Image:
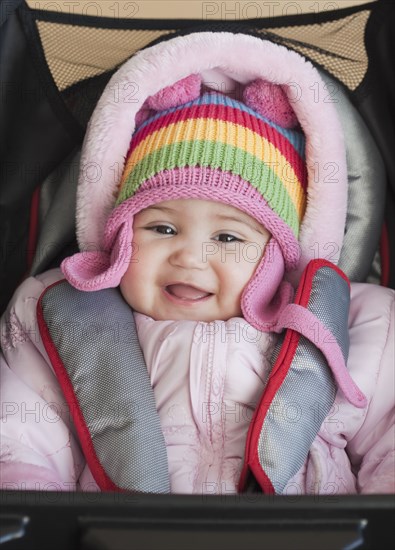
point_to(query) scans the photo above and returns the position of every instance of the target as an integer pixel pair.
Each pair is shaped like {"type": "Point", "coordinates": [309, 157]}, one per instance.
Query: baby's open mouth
{"type": "Point", "coordinates": [186, 292]}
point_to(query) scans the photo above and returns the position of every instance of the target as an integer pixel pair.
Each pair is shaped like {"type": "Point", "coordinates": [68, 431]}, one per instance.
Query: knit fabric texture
{"type": "Point", "coordinates": [226, 136]}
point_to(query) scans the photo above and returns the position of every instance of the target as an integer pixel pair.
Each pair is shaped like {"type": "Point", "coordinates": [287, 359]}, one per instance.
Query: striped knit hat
{"type": "Point", "coordinates": [218, 148]}
{"type": "Point", "coordinates": [248, 154]}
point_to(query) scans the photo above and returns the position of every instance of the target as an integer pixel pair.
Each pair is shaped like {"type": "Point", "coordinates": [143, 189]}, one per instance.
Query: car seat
{"type": "Point", "coordinates": [52, 73]}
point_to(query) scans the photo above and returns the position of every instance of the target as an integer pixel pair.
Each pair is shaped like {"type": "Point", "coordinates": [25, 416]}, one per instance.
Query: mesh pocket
{"type": "Point", "coordinates": [77, 51]}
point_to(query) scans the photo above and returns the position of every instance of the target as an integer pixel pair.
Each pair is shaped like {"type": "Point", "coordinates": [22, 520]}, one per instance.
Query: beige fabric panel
{"type": "Point", "coordinates": [75, 53]}
{"type": "Point", "coordinates": [192, 9]}
{"type": "Point", "coordinates": [344, 56]}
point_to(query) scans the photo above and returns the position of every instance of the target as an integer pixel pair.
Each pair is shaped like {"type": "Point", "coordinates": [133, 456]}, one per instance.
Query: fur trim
{"type": "Point", "coordinates": [241, 58]}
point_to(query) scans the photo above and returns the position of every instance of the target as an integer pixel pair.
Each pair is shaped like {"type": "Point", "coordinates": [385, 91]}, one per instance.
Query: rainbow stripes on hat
{"type": "Point", "coordinates": [223, 134]}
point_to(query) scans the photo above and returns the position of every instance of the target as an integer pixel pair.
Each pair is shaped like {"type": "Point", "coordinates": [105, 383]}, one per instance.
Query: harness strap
{"type": "Point", "coordinates": [301, 389]}
{"type": "Point", "coordinates": [316, 332]}
{"type": "Point", "coordinates": [92, 342]}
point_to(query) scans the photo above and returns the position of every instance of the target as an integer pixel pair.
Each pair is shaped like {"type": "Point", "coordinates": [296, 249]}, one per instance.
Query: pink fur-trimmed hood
{"type": "Point", "coordinates": [222, 59]}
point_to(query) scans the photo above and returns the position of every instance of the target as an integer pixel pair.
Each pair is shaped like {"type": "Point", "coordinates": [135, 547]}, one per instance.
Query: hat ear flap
{"type": "Point", "coordinates": [98, 269]}
{"type": "Point", "coordinates": [267, 294]}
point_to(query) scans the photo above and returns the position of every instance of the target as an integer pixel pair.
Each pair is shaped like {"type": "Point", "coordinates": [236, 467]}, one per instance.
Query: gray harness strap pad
{"type": "Point", "coordinates": [302, 385]}
{"type": "Point", "coordinates": [91, 340]}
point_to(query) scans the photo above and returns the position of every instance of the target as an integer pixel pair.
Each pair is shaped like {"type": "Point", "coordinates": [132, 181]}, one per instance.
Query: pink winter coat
{"type": "Point", "coordinates": [206, 384]}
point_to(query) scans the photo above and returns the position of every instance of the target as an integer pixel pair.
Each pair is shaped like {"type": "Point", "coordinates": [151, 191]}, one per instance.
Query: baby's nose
{"type": "Point", "coordinates": [188, 256]}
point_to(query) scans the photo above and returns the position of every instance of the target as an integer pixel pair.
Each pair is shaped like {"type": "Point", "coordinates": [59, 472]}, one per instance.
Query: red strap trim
{"type": "Point", "coordinates": [385, 256]}
{"type": "Point", "coordinates": [33, 227]}
{"type": "Point", "coordinates": [277, 376]}
{"type": "Point", "coordinates": [304, 289]}
{"type": "Point", "coordinates": [98, 472]}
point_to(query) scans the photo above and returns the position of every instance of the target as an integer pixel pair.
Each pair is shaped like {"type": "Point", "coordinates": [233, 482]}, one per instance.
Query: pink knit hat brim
{"type": "Point", "coordinates": [265, 294]}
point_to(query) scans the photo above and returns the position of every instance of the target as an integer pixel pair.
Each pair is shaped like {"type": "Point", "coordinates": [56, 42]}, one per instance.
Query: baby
{"type": "Point", "coordinates": [193, 259]}
{"type": "Point", "coordinates": [205, 240]}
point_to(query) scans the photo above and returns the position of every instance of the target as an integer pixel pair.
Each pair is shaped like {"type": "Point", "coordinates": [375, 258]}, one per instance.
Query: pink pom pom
{"type": "Point", "coordinates": [142, 115]}
{"type": "Point", "coordinates": [179, 93]}
{"type": "Point", "coordinates": [270, 101]}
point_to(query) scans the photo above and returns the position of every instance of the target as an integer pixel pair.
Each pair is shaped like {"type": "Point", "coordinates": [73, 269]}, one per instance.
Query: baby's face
{"type": "Point", "coordinates": [191, 260]}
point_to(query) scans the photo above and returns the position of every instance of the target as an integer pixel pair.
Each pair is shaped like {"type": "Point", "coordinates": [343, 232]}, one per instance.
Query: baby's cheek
{"type": "Point", "coordinates": [137, 290]}
{"type": "Point", "coordinates": [252, 253]}
{"type": "Point", "coordinates": [125, 290]}
{"type": "Point", "coordinates": [129, 284]}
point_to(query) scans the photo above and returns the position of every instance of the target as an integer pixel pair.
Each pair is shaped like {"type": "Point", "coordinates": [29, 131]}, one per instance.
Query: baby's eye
{"type": "Point", "coordinates": [162, 229]}
{"type": "Point", "coordinates": [227, 238]}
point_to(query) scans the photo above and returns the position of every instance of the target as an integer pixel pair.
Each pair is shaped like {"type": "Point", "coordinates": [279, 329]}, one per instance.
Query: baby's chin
{"type": "Point", "coordinates": [198, 317]}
